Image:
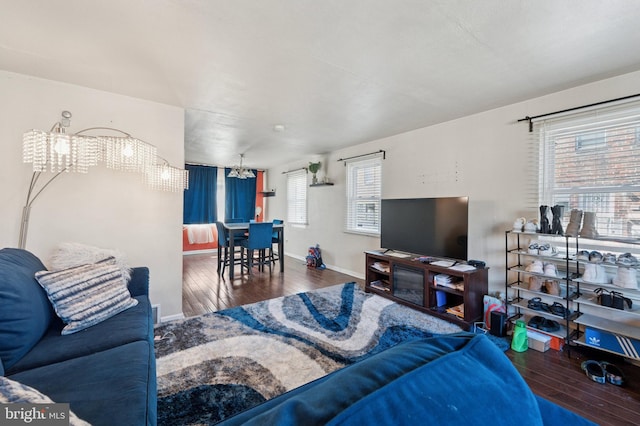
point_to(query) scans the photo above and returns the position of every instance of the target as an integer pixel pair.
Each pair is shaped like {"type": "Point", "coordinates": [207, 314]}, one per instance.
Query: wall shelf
{"type": "Point", "coordinates": [322, 184]}
{"type": "Point", "coordinates": [268, 193]}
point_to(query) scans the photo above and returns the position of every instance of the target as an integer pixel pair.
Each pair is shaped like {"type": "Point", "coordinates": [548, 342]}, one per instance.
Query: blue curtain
{"type": "Point", "coordinates": [200, 199]}
{"type": "Point", "coordinates": [240, 197]}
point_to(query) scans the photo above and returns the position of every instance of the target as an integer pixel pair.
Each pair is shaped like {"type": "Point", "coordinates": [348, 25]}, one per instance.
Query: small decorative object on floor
{"type": "Point", "coordinates": [314, 258]}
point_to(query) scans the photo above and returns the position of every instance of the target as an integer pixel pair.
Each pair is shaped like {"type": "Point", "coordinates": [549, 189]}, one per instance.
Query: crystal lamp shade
{"type": "Point", "coordinates": [59, 152]}
{"type": "Point", "coordinates": [164, 177]}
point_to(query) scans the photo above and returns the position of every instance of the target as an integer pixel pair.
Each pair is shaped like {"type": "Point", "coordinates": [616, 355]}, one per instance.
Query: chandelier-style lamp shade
{"type": "Point", "coordinates": [165, 177]}
{"type": "Point", "coordinates": [241, 172]}
{"type": "Point", "coordinates": [58, 152]}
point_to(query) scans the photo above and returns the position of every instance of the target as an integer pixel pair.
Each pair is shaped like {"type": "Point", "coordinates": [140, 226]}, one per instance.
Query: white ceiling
{"type": "Point", "coordinates": [334, 72]}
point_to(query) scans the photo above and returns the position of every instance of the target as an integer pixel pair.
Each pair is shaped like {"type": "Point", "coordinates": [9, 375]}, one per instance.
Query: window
{"type": "Point", "coordinates": [297, 197]}
{"type": "Point", "coordinates": [364, 189]}
{"type": "Point", "coordinates": [591, 161]}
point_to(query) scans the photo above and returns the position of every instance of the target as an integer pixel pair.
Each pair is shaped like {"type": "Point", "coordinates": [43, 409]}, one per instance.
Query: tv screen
{"type": "Point", "coordinates": [435, 227]}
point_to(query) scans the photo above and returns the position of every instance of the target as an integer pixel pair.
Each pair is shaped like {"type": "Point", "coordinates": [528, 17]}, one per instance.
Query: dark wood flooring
{"type": "Point", "coordinates": [553, 375]}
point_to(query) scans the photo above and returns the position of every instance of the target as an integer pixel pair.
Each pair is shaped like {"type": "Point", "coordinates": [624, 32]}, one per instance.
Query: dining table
{"type": "Point", "coordinates": [241, 228]}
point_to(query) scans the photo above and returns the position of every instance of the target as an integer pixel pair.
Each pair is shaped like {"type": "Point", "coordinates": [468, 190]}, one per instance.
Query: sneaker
{"type": "Point", "coordinates": [627, 259]}
{"type": "Point", "coordinates": [547, 250]}
{"type": "Point", "coordinates": [595, 257]}
{"type": "Point", "coordinates": [535, 267]}
{"type": "Point", "coordinates": [609, 258]}
{"type": "Point", "coordinates": [531, 226]}
{"type": "Point", "coordinates": [550, 270]}
{"type": "Point", "coordinates": [583, 255]}
{"type": "Point", "coordinates": [589, 274]}
{"type": "Point", "coordinates": [518, 224]}
{"type": "Point", "coordinates": [626, 278]}
{"type": "Point", "coordinates": [594, 273]}
{"type": "Point", "coordinates": [533, 248]}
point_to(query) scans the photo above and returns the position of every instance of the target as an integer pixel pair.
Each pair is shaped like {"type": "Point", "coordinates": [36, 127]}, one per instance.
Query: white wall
{"type": "Point", "coordinates": [481, 156]}
{"type": "Point", "coordinates": [103, 208]}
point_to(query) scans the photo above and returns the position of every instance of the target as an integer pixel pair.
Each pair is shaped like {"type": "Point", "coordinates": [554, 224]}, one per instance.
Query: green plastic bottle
{"type": "Point", "coordinates": [520, 341]}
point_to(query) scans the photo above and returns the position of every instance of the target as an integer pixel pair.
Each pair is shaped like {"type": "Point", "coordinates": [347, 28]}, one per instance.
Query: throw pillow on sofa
{"type": "Point", "coordinates": [86, 295]}
{"type": "Point", "coordinates": [12, 392]}
{"type": "Point", "coordinates": [68, 255]}
{"type": "Point", "coordinates": [25, 311]}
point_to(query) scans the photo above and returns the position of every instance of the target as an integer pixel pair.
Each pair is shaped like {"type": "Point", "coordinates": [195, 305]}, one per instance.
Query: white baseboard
{"type": "Point", "coordinates": [332, 267]}
{"type": "Point", "coordinates": [187, 253]}
{"type": "Point", "coordinates": [172, 317]}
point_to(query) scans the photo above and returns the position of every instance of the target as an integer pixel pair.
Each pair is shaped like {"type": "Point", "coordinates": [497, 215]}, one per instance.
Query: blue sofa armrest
{"type": "Point", "coordinates": [139, 283]}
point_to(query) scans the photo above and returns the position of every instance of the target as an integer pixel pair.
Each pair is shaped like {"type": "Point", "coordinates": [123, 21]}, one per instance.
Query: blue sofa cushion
{"type": "Point", "coordinates": [12, 392]}
{"type": "Point", "coordinates": [455, 379]}
{"type": "Point", "coordinates": [128, 326]}
{"type": "Point", "coordinates": [26, 312]}
{"type": "Point", "coordinates": [86, 295]}
{"type": "Point", "coordinates": [106, 388]}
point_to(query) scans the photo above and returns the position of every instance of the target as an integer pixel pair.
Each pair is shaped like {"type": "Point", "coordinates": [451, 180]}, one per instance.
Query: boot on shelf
{"type": "Point", "coordinates": [545, 227]}
{"type": "Point", "coordinates": [556, 222]}
{"type": "Point", "coordinates": [575, 220]}
{"type": "Point", "coordinates": [589, 226]}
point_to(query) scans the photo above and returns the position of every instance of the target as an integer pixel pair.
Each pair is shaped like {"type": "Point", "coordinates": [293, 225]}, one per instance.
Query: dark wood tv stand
{"type": "Point", "coordinates": [413, 283]}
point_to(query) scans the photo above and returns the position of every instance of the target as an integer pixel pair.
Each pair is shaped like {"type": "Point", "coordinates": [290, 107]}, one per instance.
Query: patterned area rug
{"type": "Point", "coordinates": [215, 365]}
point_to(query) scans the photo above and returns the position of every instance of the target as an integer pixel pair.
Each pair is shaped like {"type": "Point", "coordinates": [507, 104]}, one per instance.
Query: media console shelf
{"type": "Point", "coordinates": [418, 285]}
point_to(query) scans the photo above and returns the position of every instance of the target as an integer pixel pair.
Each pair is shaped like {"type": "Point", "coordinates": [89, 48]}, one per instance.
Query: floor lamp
{"type": "Point", "coordinates": [58, 152]}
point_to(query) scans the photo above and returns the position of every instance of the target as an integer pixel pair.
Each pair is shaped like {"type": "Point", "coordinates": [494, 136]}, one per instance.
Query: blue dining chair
{"type": "Point", "coordinates": [224, 257]}
{"type": "Point", "coordinates": [260, 239]}
{"type": "Point", "coordinates": [275, 239]}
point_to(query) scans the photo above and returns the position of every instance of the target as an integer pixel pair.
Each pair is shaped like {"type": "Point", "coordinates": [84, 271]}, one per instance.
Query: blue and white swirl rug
{"type": "Point", "coordinates": [215, 365]}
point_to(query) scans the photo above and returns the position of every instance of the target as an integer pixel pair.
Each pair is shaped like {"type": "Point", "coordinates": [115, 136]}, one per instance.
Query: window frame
{"type": "Point", "coordinates": [363, 192]}
{"type": "Point", "coordinates": [297, 205]}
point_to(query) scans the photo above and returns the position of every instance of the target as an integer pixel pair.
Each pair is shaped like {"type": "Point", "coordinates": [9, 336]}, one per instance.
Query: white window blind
{"type": "Point", "coordinates": [297, 197]}
{"type": "Point", "coordinates": [364, 190]}
{"type": "Point", "coordinates": [591, 161]}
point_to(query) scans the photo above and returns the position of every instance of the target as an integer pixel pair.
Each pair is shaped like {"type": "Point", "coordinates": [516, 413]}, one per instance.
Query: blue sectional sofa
{"type": "Point", "coordinates": [457, 379]}
{"type": "Point", "coordinates": [106, 372]}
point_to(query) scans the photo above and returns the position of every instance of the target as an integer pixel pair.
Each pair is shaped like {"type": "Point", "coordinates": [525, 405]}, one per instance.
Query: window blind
{"type": "Point", "coordinates": [591, 161]}
{"type": "Point", "coordinates": [364, 191]}
{"type": "Point", "coordinates": [297, 197]}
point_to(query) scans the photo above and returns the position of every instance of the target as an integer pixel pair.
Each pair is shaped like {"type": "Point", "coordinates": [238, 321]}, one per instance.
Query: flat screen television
{"type": "Point", "coordinates": [435, 227]}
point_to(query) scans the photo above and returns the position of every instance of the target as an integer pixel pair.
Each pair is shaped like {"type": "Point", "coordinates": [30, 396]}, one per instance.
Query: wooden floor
{"type": "Point", "coordinates": [553, 375]}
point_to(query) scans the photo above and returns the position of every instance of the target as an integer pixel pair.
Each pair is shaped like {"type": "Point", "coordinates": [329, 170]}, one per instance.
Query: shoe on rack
{"type": "Point", "coordinates": [575, 220]}
{"type": "Point", "coordinates": [550, 269]}
{"type": "Point", "coordinates": [560, 310]}
{"type": "Point", "coordinates": [547, 250]}
{"type": "Point", "coordinates": [583, 255]}
{"type": "Point", "coordinates": [627, 259]}
{"type": "Point", "coordinates": [595, 257]}
{"type": "Point", "coordinates": [626, 278]}
{"type": "Point", "coordinates": [545, 224]}
{"type": "Point", "coordinates": [518, 224]}
{"type": "Point", "coordinates": [589, 229]}
{"type": "Point", "coordinates": [556, 225]}
{"type": "Point", "coordinates": [589, 274]}
{"type": "Point", "coordinates": [531, 226]}
{"type": "Point", "coordinates": [533, 248]}
{"type": "Point", "coordinates": [535, 267]}
{"type": "Point", "coordinates": [552, 287]}
{"type": "Point", "coordinates": [609, 258]}
{"type": "Point", "coordinates": [535, 283]}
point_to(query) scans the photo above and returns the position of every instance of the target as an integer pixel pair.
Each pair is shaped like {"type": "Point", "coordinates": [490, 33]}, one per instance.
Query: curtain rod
{"type": "Point", "coordinates": [384, 155]}
{"type": "Point", "coordinates": [213, 165]}
{"type": "Point", "coordinates": [295, 170]}
{"type": "Point", "coordinates": [530, 119]}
